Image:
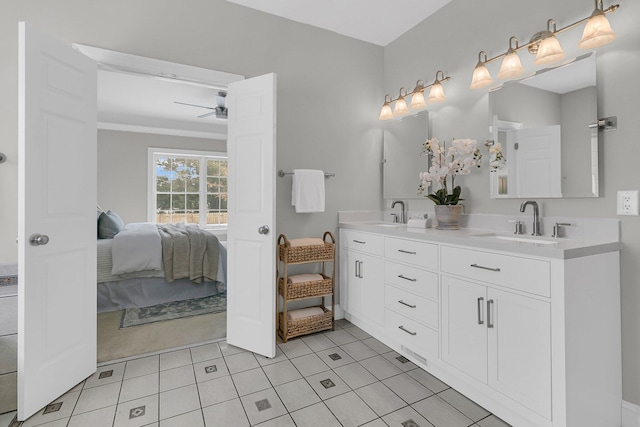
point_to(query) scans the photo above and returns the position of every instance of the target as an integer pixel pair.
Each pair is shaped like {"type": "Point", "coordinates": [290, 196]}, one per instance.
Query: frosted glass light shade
{"type": "Point", "coordinates": [597, 32]}
{"type": "Point", "coordinates": [436, 94]}
{"type": "Point", "coordinates": [417, 100]}
{"type": "Point", "coordinates": [481, 77]}
{"type": "Point", "coordinates": [386, 113]}
{"type": "Point", "coordinates": [511, 66]}
{"type": "Point", "coordinates": [401, 107]}
{"type": "Point", "coordinates": [549, 51]}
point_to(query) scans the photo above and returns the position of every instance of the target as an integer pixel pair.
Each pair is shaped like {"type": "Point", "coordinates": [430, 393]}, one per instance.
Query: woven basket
{"type": "Point", "coordinates": [306, 325]}
{"type": "Point", "coordinates": [305, 289]}
{"type": "Point", "coordinates": [292, 255]}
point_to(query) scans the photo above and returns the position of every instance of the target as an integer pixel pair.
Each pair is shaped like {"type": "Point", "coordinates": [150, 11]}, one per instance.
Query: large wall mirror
{"type": "Point", "coordinates": [402, 162]}
{"type": "Point", "coordinates": [544, 127]}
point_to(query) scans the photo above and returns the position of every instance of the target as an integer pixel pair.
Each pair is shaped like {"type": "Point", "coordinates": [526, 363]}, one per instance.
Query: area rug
{"type": "Point", "coordinates": [174, 310]}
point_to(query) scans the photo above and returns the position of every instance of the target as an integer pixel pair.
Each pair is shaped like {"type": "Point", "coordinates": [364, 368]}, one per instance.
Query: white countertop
{"type": "Point", "coordinates": [543, 246]}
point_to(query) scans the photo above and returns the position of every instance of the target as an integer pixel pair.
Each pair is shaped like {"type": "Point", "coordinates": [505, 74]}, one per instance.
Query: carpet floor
{"type": "Point", "coordinates": [115, 343]}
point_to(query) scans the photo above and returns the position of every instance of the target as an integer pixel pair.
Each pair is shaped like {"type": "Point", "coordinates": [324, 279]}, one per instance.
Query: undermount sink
{"type": "Point", "coordinates": [530, 240]}
{"type": "Point", "coordinates": [389, 224]}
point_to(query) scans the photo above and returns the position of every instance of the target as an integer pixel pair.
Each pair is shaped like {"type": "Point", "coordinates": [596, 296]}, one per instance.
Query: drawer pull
{"type": "Point", "coordinates": [484, 268]}
{"type": "Point", "coordinates": [359, 241]}
{"type": "Point", "coordinates": [407, 278]}
{"type": "Point", "coordinates": [407, 252]}
{"type": "Point", "coordinates": [408, 305]}
{"type": "Point", "coordinates": [407, 331]}
{"type": "Point", "coordinates": [480, 320]}
{"type": "Point", "coordinates": [489, 321]}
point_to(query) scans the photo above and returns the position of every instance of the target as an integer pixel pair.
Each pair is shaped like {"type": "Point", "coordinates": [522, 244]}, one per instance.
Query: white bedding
{"type": "Point", "coordinates": [137, 247]}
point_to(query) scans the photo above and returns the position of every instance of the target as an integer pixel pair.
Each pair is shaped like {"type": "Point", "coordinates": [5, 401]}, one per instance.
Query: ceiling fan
{"type": "Point", "coordinates": [220, 110]}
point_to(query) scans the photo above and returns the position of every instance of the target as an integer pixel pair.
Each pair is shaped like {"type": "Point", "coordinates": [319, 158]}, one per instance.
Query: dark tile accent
{"type": "Point", "coordinates": [327, 383]}
{"type": "Point", "coordinates": [335, 356]}
{"type": "Point", "coordinates": [138, 411]}
{"type": "Point", "coordinates": [410, 423]}
{"type": "Point", "coordinates": [54, 407]}
{"type": "Point", "coordinates": [14, 422]}
{"type": "Point", "coordinates": [210, 369]}
{"type": "Point", "coordinates": [263, 404]}
{"type": "Point", "coordinates": [105, 374]}
{"type": "Point", "coordinates": [402, 359]}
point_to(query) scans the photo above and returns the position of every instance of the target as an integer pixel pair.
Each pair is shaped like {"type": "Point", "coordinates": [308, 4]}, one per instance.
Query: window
{"type": "Point", "coordinates": [188, 186]}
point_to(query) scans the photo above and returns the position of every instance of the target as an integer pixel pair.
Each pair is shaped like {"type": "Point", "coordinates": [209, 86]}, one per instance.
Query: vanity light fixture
{"type": "Point", "coordinates": [436, 94]}
{"type": "Point", "coordinates": [546, 47]}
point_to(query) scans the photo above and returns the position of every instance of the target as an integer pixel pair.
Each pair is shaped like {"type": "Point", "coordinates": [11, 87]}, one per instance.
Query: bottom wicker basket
{"type": "Point", "coordinates": [306, 325]}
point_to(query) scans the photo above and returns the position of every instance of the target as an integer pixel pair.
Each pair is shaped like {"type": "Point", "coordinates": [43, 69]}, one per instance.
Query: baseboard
{"type": "Point", "coordinates": [630, 415]}
{"type": "Point", "coordinates": [339, 313]}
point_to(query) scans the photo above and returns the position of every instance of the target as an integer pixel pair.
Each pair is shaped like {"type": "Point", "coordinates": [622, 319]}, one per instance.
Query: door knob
{"type": "Point", "coordinates": [38, 239]}
{"type": "Point", "coordinates": [264, 229]}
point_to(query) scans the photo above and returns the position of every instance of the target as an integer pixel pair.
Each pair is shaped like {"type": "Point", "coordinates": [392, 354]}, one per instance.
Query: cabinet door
{"type": "Point", "coordinates": [351, 282]}
{"type": "Point", "coordinates": [519, 337]}
{"type": "Point", "coordinates": [372, 277]}
{"type": "Point", "coordinates": [464, 328]}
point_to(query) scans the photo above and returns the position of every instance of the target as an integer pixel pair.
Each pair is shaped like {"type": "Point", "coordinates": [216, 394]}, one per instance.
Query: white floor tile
{"type": "Point", "coordinates": [295, 348]}
{"type": "Point", "coordinates": [380, 367]}
{"type": "Point", "coordinates": [464, 405]}
{"type": "Point", "coordinates": [350, 410]}
{"type": "Point", "coordinates": [137, 413]}
{"type": "Point", "coordinates": [99, 418]}
{"type": "Point", "coordinates": [355, 375]}
{"type": "Point", "coordinates": [327, 384]}
{"type": "Point", "coordinates": [297, 395]}
{"type": "Point", "coordinates": [318, 342]}
{"type": "Point", "coordinates": [264, 361]}
{"type": "Point", "coordinates": [280, 373]}
{"type": "Point", "coordinates": [335, 357]}
{"type": "Point", "coordinates": [380, 398]}
{"type": "Point", "coordinates": [407, 388]}
{"type": "Point", "coordinates": [309, 364]}
{"type": "Point", "coordinates": [179, 401]}
{"type": "Point", "coordinates": [176, 378]}
{"type": "Point", "coordinates": [205, 352]}
{"type": "Point", "coordinates": [216, 391]}
{"type": "Point", "coordinates": [283, 421]}
{"type": "Point", "coordinates": [340, 336]}
{"type": "Point", "coordinates": [228, 349]}
{"type": "Point", "coordinates": [440, 413]}
{"type": "Point", "coordinates": [106, 374]}
{"type": "Point", "coordinates": [250, 381]}
{"type": "Point", "coordinates": [143, 366]}
{"type": "Point", "coordinates": [97, 397]}
{"type": "Point", "coordinates": [400, 361]}
{"type": "Point", "coordinates": [138, 387]}
{"type": "Point", "coordinates": [263, 406]}
{"type": "Point", "coordinates": [358, 350]}
{"type": "Point", "coordinates": [428, 380]}
{"type": "Point", "coordinates": [68, 400]}
{"type": "Point", "coordinates": [408, 416]}
{"type": "Point", "coordinates": [377, 346]}
{"type": "Point", "coordinates": [376, 423]}
{"type": "Point", "coordinates": [357, 332]}
{"type": "Point", "coordinates": [175, 359]}
{"type": "Point", "coordinates": [190, 419]}
{"type": "Point", "coordinates": [241, 362]}
{"type": "Point", "coordinates": [314, 416]}
{"type": "Point", "coordinates": [229, 413]}
{"type": "Point", "coordinates": [210, 369]}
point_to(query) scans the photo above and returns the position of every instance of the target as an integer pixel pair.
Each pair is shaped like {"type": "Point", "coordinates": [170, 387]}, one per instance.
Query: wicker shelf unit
{"type": "Point", "coordinates": [320, 286]}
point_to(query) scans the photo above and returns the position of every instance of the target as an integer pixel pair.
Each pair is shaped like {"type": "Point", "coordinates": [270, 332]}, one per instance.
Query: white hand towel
{"type": "Point", "coordinates": [307, 190]}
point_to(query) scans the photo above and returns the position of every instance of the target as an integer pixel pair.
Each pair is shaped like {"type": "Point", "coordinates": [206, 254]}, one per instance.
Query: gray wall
{"type": "Point", "coordinates": [451, 39]}
{"type": "Point", "coordinates": [329, 88]}
{"type": "Point", "coordinates": [123, 168]}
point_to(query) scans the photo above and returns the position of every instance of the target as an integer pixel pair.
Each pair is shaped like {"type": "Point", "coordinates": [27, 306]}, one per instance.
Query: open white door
{"type": "Point", "coordinates": [538, 162]}
{"type": "Point", "coordinates": [56, 219]}
{"type": "Point", "coordinates": [251, 272]}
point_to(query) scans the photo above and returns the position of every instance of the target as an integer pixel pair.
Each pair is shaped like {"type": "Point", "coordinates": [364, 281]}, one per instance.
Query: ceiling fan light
{"type": "Point", "coordinates": [597, 32]}
{"type": "Point", "coordinates": [549, 51]}
{"type": "Point", "coordinates": [511, 66]}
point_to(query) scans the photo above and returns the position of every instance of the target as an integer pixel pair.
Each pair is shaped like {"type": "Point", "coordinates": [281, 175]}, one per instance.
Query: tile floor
{"type": "Point", "coordinates": [337, 378]}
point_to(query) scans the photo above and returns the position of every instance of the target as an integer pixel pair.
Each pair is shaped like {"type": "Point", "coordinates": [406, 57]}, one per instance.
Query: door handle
{"type": "Point", "coordinates": [264, 229]}
{"type": "Point", "coordinates": [38, 239]}
{"type": "Point", "coordinates": [489, 321]}
{"type": "Point", "coordinates": [480, 321]}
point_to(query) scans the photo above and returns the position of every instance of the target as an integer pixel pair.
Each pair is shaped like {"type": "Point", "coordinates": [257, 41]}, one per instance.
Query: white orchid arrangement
{"type": "Point", "coordinates": [446, 164]}
{"type": "Point", "coordinates": [497, 161]}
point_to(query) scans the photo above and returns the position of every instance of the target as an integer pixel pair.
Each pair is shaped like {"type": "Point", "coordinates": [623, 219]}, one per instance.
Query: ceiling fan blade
{"type": "Point", "coordinates": [194, 105]}
{"type": "Point", "coordinates": [202, 116]}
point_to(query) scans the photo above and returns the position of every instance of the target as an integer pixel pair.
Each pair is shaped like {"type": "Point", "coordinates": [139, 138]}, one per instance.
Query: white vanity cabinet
{"type": "Point", "coordinates": [362, 275]}
{"type": "Point", "coordinates": [531, 333]}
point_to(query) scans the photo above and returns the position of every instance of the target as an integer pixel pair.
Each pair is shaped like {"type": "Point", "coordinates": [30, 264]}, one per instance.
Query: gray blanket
{"type": "Point", "coordinates": [188, 251]}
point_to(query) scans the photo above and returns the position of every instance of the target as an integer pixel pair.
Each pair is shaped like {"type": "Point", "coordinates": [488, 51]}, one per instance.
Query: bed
{"type": "Point", "coordinates": [146, 264]}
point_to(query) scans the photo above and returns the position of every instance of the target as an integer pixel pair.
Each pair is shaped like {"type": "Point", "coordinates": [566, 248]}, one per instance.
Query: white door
{"type": "Point", "coordinates": [464, 326]}
{"type": "Point", "coordinates": [538, 161]}
{"type": "Point", "coordinates": [251, 235]}
{"type": "Point", "coordinates": [520, 349]}
{"type": "Point", "coordinates": [56, 201]}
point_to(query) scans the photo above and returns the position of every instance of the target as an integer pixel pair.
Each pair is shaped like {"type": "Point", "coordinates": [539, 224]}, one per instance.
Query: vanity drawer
{"type": "Point", "coordinates": [416, 337]}
{"type": "Point", "coordinates": [524, 274]}
{"type": "Point", "coordinates": [413, 306]}
{"type": "Point", "coordinates": [364, 242]}
{"type": "Point", "coordinates": [413, 279]}
{"type": "Point", "coordinates": [420, 254]}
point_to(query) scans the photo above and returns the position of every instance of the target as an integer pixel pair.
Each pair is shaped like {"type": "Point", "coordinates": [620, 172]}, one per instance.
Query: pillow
{"type": "Point", "coordinates": [109, 224]}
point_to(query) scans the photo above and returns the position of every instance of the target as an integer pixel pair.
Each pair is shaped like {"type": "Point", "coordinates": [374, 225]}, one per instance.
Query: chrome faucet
{"type": "Point", "coordinates": [536, 223]}
{"type": "Point", "coordinates": [403, 215]}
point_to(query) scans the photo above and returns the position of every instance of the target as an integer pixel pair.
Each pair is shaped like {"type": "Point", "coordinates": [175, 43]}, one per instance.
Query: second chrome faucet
{"type": "Point", "coordinates": [536, 221]}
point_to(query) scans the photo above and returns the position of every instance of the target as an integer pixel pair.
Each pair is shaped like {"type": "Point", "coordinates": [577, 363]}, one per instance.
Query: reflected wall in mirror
{"type": "Point", "coordinates": [542, 124]}
{"type": "Point", "coordinates": [402, 162]}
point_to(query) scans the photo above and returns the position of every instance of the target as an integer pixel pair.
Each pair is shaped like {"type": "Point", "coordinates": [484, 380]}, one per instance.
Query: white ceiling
{"type": "Point", "coordinates": [375, 21]}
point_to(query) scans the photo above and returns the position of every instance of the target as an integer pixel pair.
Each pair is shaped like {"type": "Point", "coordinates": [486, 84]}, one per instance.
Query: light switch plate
{"type": "Point", "coordinates": [628, 202]}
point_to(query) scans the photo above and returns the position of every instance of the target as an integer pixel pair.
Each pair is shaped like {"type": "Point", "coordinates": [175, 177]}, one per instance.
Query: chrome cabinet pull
{"type": "Point", "coordinates": [408, 305]}
{"type": "Point", "coordinates": [407, 331]}
{"type": "Point", "coordinates": [357, 265]}
{"type": "Point", "coordinates": [480, 320]}
{"type": "Point", "coordinates": [406, 278]}
{"type": "Point", "coordinates": [484, 268]}
{"type": "Point", "coordinates": [359, 241]}
{"type": "Point", "coordinates": [406, 252]}
{"type": "Point", "coordinates": [489, 321]}
{"type": "Point", "coordinates": [361, 275]}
